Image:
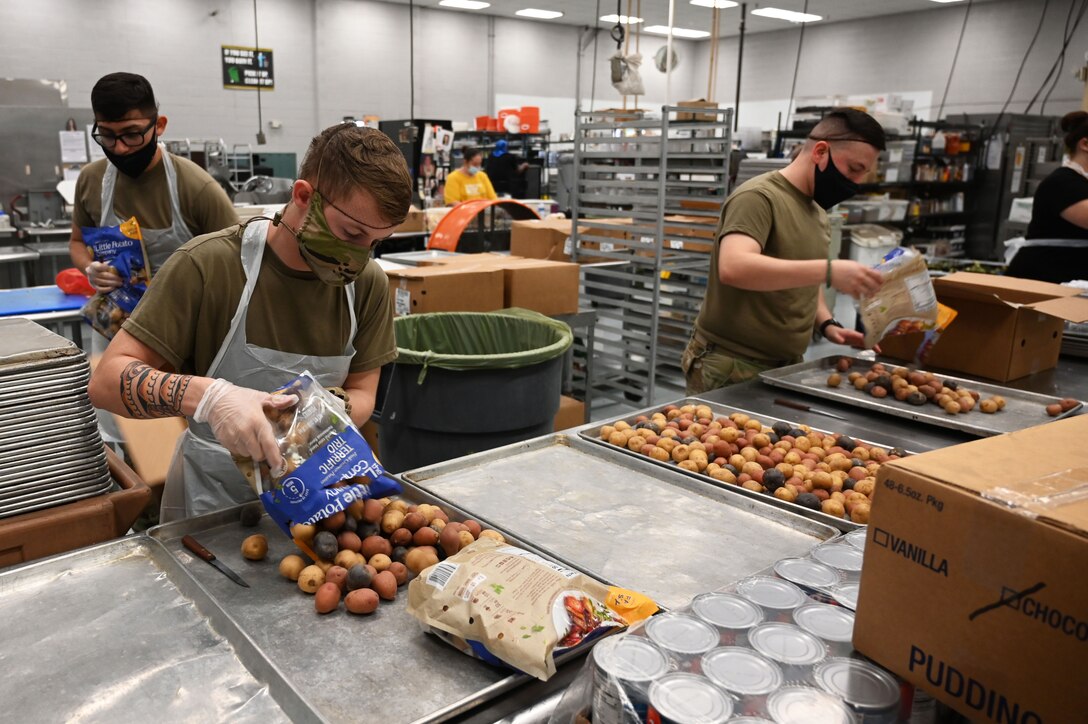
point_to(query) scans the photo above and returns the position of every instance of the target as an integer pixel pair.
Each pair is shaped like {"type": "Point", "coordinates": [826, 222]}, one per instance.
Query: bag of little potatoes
{"type": "Point", "coordinates": [505, 605]}
{"type": "Point", "coordinates": [328, 464]}
{"type": "Point", "coordinates": [905, 302]}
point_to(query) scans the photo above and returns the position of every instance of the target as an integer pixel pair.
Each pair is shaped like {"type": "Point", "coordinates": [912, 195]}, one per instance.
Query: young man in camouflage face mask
{"type": "Point", "coordinates": [235, 314]}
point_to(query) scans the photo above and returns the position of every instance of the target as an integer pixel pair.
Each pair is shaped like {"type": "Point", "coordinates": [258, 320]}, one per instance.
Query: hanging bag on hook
{"type": "Point", "coordinates": [629, 80]}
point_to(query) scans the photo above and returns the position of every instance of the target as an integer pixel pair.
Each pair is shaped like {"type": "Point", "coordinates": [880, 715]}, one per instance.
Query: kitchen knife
{"type": "Point", "coordinates": [205, 554]}
{"type": "Point", "coordinates": [806, 408]}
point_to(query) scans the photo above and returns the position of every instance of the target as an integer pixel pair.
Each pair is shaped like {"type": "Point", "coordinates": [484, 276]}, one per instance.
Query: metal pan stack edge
{"type": "Point", "coordinates": [50, 446]}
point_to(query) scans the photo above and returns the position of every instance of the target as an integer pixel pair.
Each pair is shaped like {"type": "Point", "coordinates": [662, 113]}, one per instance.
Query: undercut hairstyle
{"type": "Point", "coordinates": [117, 94]}
{"type": "Point", "coordinates": [345, 158]}
{"type": "Point", "coordinates": [1075, 125]}
{"type": "Point", "coordinates": [849, 124]}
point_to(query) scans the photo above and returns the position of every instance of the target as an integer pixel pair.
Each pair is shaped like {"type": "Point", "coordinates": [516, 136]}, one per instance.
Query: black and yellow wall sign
{"type": "Point", "coordinates": [247, 68]}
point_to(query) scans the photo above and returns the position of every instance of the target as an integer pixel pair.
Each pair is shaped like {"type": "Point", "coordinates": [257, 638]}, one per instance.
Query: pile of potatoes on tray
{"type": "Point", "coordinates": [834, 474]}
{"type": "Point", "coordinates": [364, 554]}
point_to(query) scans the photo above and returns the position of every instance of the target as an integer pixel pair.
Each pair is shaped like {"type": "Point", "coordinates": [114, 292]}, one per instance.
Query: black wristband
{"type": "Point", "coordinates": [829, 323]}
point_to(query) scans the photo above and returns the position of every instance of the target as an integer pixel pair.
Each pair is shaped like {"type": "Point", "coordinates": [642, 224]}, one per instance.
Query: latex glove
{"type": "Point", "coordinates": [103, 277]}
{"type": "Point", "coordinates": [236, 416]}
{"type": "Point", "coordinates": [855, 279]}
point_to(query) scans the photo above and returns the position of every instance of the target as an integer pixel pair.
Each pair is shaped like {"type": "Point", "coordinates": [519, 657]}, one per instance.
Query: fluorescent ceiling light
{"type": "Point", "coordinates": [722, 4]}
{"type": "Point", "coordinates": [677, 32]}
{"type": "Point", "coordinates": [465, 4]}
{"type": "Point", "coordinates": [539, 14]}
{"type": "Point", "coordinates": [621, 19]}
{"type": "Point", "coordinates": [790, 15]}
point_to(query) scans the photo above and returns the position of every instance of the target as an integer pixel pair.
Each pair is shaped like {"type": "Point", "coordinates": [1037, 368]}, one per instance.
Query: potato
{"type": "Point", "coordinates": [450, 539]}
{"type": "Point", "coordinates": [380, 562]}
{"type": "Point", "coordinates": [428, 512]}
{"type": "Point", "coordinates": [466, 537]}
{"type": "Point", "coordinates": [787, 493]}
{"type": "Point", "coordinates": [361, 601]}
{"type": "Point", "coordinates": [1068, 404]}
{"type": "Point", "coordinates": [724, 475]}
{"type": "Point", "coordinates": [345, 558]}
{"type": "Point", "coordinates": [834, 379]}
{"type": "Point", "coordinates": [255, 547]}
{"type": "Point", "coordinates": [1052, 410]}
{"type": "Point", "coordinates": [396, 505]}
{"type": "Point", "coordinates": [606, 432]}
{"type": "Point", "coordinates": [860, 513]}
{"type": "Point", "coordinates": [421, 558]}
{"type": "Point", "coordinates": [391, 520]}
{"type": "Point", "coordinates": [414, 521]}
{"type": "Point", "coordinates": [680, 453]}
{"type": "Point", "coordinates": [355, 510]}
{"type": "Point", "coordinates": [833, 507]}
{"type": "Point", "coordinates": [399, 571]}
{"type": "Point", "coordinates": [334, 522]}
{"type": "Point", "coordinates": [659, 453]}
{"type": "Point", "coordinates": [375, 544]}
{"type": "Point", "coordinates": [400, 537]}
{"type": "Point", "coordinates": [372, 510]}
{"type": "Point", "coordinates": [865, 487]}
{"type": "Point", "coordinates": [311, 578]}
{"type": "Point", "coordinates": [327, 598]}
{"type": "Point", "coordinates": [689, 465]}
{"type": "Point", "coordinates": [385, 585]}
{"type": "Point", "coordinates": [291, 566]}
{"type": "Point", "coordinates": [425, 537]}
{"type": "Point", "coordinates": [303, 532]}
{"type": "Point", "coordinates": [337, 575]}
{"type": "Point", "coordinates": [493, 535]}
{"type": "Point", "coordinates": [618, 439]}
{"type": "Point", "coordinates": [349, 541]}
{"type": "Point", "coordinates": [988, 406]}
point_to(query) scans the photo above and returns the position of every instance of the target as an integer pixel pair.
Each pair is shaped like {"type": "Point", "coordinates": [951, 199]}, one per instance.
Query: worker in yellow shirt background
{"type": "Point", "coordinates": [470, 181]}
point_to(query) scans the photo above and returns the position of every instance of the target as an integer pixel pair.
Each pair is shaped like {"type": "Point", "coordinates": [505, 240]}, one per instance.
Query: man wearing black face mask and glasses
{"type": "Point", "coordinates": [172, 198]}
{"type": "Point", "coordinates": [765, 296]}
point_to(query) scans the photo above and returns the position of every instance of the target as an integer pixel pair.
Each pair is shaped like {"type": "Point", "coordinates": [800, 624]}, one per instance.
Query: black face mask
{"type": "Point", "coordinates": [134, 164]}
{"type": "Point", "coordinates": [831, 187]}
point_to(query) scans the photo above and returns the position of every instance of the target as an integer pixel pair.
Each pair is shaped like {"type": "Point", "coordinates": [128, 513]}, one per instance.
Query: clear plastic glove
{"type": "Point", "coordinates": [103, 277]}
{"type": "Point", "coordinates": [857, 280]}
{"type": "Point", "coordinates": [236, 416]}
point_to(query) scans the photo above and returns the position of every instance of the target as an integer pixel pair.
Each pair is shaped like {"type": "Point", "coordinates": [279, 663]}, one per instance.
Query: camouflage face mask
{"type": "Point", "coordinates": [335, 262]}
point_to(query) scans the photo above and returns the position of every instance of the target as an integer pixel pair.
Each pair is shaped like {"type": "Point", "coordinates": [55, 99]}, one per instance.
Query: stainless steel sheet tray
{"type": "Point", "coordinates": [85, 438]}
{"type": "Point", "coordinates": [47, 417]}
{"type": "Point", "coordinates": [81, 467]}
{"type": "Point", "coordinates": [35, 491]}
{"type": "Point", "coordinates": [30, 507]}
{"type": "Point", "coordinates": [17, 435]}
{"type": "Point", "coordinates": [591, 432]}
{"type": "Point", "coordinates": [1022, 409]}
{"type": "Point", "coordinates": [120, 632]}
{"type": "Point", "coordinates": [61, 372]}
{"type": "Point", "coordinates": [377, 668]}
{"type": "Point", "coordinates": [620, 519]}
{"type": "Point", "coordinates": [23, 393]}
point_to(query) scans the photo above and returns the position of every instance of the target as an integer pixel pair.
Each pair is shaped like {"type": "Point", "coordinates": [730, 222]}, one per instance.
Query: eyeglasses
{"type": "Point", "coordinates": [131, 139]}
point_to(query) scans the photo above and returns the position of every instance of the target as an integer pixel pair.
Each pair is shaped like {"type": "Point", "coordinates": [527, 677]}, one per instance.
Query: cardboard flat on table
{"type": "Point", "coordinates": [463, 288]}
{"type": "Point", "coordinates": [974, 585]}
{"type": "Point", "coordinates": [1006, 328]}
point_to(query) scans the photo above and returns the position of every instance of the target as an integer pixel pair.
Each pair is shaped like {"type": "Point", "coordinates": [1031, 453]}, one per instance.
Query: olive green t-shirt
{"type": "Point", "coordinates": [186, 312]}
{"type": "Point", "coordinates": [204, 205]}
{"type": "Point", "coordinates": [766, 326]}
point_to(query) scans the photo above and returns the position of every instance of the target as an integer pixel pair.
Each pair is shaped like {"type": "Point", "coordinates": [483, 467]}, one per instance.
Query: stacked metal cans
{"type": "Point", "coordinates": [51, 450]}
{"type": "Point", "coordinates": [774, 647]}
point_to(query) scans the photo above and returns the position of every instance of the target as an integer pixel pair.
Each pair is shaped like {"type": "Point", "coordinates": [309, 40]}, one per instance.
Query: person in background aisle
{"type": "Point", "coordinates": [764, 295]}
{"type": "Point", "coordinates": [237, 313]}
{"type": "Point", "coordinates": [507, 171]}
{"type": "Point", "coordinates": [171, 197]}
{"type": "Point", "coordinates": [1060, 211]}
{"type": "Point", "coordinates": [470, 181]}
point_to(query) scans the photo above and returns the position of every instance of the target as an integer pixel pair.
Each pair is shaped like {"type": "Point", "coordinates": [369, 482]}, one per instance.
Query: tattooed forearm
{"type": "Point", "coordinates": [148, 393]}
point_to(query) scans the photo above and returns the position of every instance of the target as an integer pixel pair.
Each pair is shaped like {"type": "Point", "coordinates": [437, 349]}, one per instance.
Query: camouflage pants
{"type": "Point", "coordinates": [706, 368]}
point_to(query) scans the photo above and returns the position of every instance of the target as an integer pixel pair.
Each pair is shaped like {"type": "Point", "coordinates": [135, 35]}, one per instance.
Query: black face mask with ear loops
{"type": "Point", "coordinates": [831, 186]}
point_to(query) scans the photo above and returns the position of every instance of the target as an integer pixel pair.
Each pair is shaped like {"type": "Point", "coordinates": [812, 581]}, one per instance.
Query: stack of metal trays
{"type": "Point", "coordinates": [51, 450]}
{"type": "Point", "coordinates": [1075, 340]}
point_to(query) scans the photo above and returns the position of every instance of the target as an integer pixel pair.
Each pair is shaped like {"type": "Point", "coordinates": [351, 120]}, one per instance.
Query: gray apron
{"type": "Point", "coordinates": [202, 475]}
{"type": "Point", "coordinates": [160, 243]}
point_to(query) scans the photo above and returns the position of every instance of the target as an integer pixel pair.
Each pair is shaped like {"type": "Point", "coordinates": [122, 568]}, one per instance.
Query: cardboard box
{"type": "Point", "coordinates": [149, 445]}
{"type": "Point", "coordinates": [446, 288]}
{"type": "Point", "coordinates": [705, 230]}
{"type": "Point", "coordinates": [548, 287]}
{"type": "Point", "coordinates": [697, 103]}
{"type": "Point", "coordinates": [572, 413]}
{"type": "Point", "coordinates": [551, 239]}
{"type": "Point", "coordinates": [1006, 327]}
{"type": "Point", "coordinates": [416, 221]}
{"type": "Point", "coordinates": [984, 604]}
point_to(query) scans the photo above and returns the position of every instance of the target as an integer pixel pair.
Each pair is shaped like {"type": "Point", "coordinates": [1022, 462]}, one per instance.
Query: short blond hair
{"type": "Point", "coordinates": [345, 158]}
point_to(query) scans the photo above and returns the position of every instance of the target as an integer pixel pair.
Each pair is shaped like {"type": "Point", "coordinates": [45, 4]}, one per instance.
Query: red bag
{"type": "Point", "coordinates": [73, 281]}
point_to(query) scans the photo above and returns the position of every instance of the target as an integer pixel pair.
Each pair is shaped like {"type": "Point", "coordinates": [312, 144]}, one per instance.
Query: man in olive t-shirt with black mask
{"type": "Point", "coordinates": [764, 297]}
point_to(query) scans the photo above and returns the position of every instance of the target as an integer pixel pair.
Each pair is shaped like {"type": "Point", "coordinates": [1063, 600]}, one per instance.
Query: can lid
{"type": "Point", "coordinates": [807, 572]}
{"type": "Point", "coordinates": [689, 699]}
{"type": "Point", "coordinates": [682, 633]}
{"type": "Point", "coordinates": [847, 595]}
{"type": "Point", "coordinates": [857, 538]}
{"type": "Point", "coordinates": [786, 643]}
{"type": "Point", "coordinates": [630, 658]}
{"type": "Point", "coordinates": [741, 671]}
{"type": "Point", "coordinates": [771, 592]}
{"type": "Point", "coordinates": [726, 610]}
{"type": "Point", "coordinates": [805, 705]}
{"type": "Point", "coordinates": [749, 720]}
{"type": "Point", "coordinates": [843, 556]}
{"type": "Point", "coordinates": [860, 684]}
{"type": "Point", "coordinates": [831, 623]}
